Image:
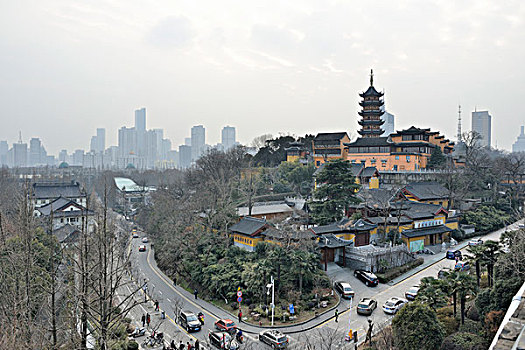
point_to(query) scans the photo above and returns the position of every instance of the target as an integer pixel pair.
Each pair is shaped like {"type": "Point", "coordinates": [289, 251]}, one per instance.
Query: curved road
{"type": "Point", "coordinates": [169, 296]}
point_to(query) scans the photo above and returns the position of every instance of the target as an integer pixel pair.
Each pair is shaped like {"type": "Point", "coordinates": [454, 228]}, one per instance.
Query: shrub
{"type": "Point", "coordinates": [471, 326]}
{"type": "Point", "coordinates": [473, 313]}
{"type": "Point", "coordinates": [492, 322]}
{"type": "Point", "coordinates": [133, 345]}
{"type": "Point", "coordinates": [458, 235]}
{"type": "Point", "coordinates": [398, 271]}
{"type": "Point", "coordinates": [446, 316]}
{"type": "Point", "coordinates": [463, 341]}
{"type": "Point", "coordinates": [234, 305]}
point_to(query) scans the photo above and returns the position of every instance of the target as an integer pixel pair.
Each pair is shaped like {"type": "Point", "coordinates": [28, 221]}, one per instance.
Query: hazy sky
{"type": "Point", "coordinates": [68, 67]}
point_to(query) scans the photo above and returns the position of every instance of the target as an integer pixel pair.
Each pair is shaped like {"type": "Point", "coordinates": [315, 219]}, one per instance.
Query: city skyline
{"type": "Point", "coordinates": [265, 69]}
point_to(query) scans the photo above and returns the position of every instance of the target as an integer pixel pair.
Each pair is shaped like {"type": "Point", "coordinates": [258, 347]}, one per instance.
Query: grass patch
{"type": "Point", "coordinates": [390, 274]}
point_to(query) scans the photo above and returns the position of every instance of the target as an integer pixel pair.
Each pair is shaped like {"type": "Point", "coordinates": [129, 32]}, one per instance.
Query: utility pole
{"type": "Point", "coordinates": [272, 284]}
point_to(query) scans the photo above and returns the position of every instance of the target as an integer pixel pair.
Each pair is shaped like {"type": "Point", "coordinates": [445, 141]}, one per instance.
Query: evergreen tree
{"type": "Point", "coordinates": [335, 191]}
{"type": "Point", "coordinates": [437, 159]}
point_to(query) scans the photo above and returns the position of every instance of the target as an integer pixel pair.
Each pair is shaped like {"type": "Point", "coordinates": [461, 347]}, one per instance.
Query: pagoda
{"type": "Point", "coordinates": [372, 111]}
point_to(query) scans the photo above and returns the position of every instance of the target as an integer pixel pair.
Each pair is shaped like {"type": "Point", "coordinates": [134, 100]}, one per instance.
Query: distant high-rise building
{"type": "Point", "coordinates": [4, 149]}
{"type": "Point", "coordinates": [228, 137]}
{"type": "Point", "coordinates": [388, 126]}
{"type": "Point", "coordinates": [482, 124]}
{"type": "Point", "coordinates": [140, 119]}
{"type": "Point", "coordinates": [198, 140]}
{"type": "Point", "coordinates": [184, 156]}
{"type": "Point", "coordinates": [19, 154]}
{"type": "Point", "coordinates": [35, 152]}
{"type": "Point", "coordinates": [187, 141]}
{"type": "Point", "coordinates": [519, 145]}
{"type": "Point", "coordinates": [101, 140]}
{"type": "Point", "coordinates": [78, 157]}
{"type": "Point", "coordinates": [127, 141]}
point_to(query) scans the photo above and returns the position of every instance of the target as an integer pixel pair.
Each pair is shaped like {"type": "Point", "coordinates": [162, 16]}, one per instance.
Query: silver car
{"type": "Point", "coordinates": [393, 305]}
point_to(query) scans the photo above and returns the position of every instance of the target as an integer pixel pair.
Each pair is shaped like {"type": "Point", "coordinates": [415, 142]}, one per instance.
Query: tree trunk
{"type": "Point", "coordinates": [462, 300]}
{"type": "Point", "coordinates": [478, 272]}
{"type": "Point", "coordinates": [454, 297]}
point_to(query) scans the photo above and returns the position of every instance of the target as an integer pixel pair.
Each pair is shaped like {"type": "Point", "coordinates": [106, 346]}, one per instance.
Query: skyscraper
{"type": "Point", "coordinates": [4, 148]}
{"type": "Point", "coordinates": [519, 145]}
{"type": "Point", "coordinates": [140, 119]}
{"type": "Point", "coordinates": [19, 154]}
{"type": "Point", "coordinates": [101, 140]}
{"type": "Point", "coordinates": [35, 152]}
{"type": "Point", "coordinates": [228, 137]}
{"type": "Point", "coordinates": [127, 141]}
{"type": "Point", "coordinates": [184, 156]}
{"type": "Point", "coordinates": [198, 140]}
{"type": "Point", "coordinates": [388, 126]}
{"type": "Point", "coordinates": [482, 124]}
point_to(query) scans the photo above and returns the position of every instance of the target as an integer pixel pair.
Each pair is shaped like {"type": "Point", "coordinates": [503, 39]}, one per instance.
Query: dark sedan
{"type": "Point", "coordinates": [366, 277]}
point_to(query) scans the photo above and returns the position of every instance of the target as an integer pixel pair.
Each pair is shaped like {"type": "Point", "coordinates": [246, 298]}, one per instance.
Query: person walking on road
{"type": "Point", "coordinates": [240, 316]}
{"type": "Point", "coordinates": [156, 305]}
{"type": "Point", "coordinates": [173, 346]}
{"type": "Point", "coordinates": [143, 320]}
{"type": "Point", "coordinates": [336, 315]}
{"type": "Point", "coordinates": [148, 319]}
{"type": "Point", "coordinates": [197, 345]}
{"type": "Point", "coordinates": [181, 345]}
{"type": "Point", "coordinates": [195, 293]}
{"type": "Point", "coordinates": [189, 345]}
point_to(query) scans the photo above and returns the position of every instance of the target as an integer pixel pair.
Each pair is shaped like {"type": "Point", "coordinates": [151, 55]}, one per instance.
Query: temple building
{"type": "Point", "coordinates": [371, 112]}
{"type": "Point", "coordinates": [405, 150]}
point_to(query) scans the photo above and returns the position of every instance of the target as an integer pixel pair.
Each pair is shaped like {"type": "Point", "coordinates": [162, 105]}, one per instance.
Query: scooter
{"type": "Point", "coordinates": [200, 316]}
{"type": "Point", "coordinates": [239, 337]}
{"type": "Point", "coordinates": [138, 332]}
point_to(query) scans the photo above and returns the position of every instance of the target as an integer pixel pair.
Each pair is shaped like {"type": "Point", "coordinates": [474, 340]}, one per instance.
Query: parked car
{"type": "Point", "coordinates": [189, 321]}
{"type": "Point", "coordinates": [344, 289]}
{"type": "Point", "coordinates": [442, 273]}
{"type": "Point", "coordinates": [225, 325]}
{"type": "Point", "coordinates": [135, 235]}
{"type": "Point", "coordinates": [274, 338]}
{"type": "Point", "coordinates": [145, 240]}
{"type": "Point", "coordinates": [462, 266]}
{"type": "Point", "coordinates": [393, 305]}
{"type": "Point", "coordinates": [477, 241]}
{"type": "Point", "coordinates": [222, 340]}
{"type": "Point", "coordinates": [142, 248]}
{"type": "Point", "coordinates": [453, 254]}
{"type": "Point", "coordinates": [366, 306]}
{"type": "Point", "coordinates": [366, 277]}
{"type": "Point", "coordinates": [411, 293]}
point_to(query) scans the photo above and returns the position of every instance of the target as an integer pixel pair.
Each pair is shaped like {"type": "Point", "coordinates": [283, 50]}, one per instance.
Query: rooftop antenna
{"type": "Point", "coordinates": [20, 137]}
{"type": "Point", "coordinates": [459, 123]}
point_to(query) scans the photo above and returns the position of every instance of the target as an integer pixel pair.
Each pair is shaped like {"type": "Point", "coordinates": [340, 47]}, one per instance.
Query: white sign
{"type": "Point", "coordinates": [239, 294]}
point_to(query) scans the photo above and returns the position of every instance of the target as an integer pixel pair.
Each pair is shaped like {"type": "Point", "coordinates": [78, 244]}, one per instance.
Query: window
{"type": "Point", "coordinates": [318, 163]}
{"type": "Point", "coordinates": [395, 167]}
{"type": "Point", "coordinates": [408, 159]}
{"type": "Point", "coordinates": [353, 161]}
{"type": "Point", "coordinates": [397, 157]}
{"type": "Point", "coordinates": [363, 161]}
{"type": "Point", "coordinates": [383, 163]}
{"type": "Point", "coordinates": [373, 161]}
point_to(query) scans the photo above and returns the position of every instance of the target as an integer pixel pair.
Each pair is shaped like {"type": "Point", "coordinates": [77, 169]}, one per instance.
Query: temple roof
{"type": "Point", "coordinates": [412, 130]}
{"type": "Point", "coordinates": [325, 136]}
{"type": "Point", "coordinates": [371, 91]}
{"type": "Point", "coordinates": [370, 141]}
{"type": "Point", "coordinates": [249, 226]}
{"type": "Point", "coordinates": [420, 232]}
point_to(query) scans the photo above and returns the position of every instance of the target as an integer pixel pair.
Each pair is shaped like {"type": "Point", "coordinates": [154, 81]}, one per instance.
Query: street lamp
{"type": "Point", "coordinates": [271, 285]}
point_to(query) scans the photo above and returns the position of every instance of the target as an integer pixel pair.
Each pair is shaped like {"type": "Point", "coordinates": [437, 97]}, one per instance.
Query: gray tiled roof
{"type": "Point", "coordinates": [66, 233]}
{"type": "Point", "coordinates": [59, 204]}
{"type": "Point", "coordinates": [417, 210]}
{"type": "Point", "coordinates": [330, 136]}
{"type": "Point", "coordinates": [249, 225]}
{"type": "Point", "coordinates": [55, 190]}
{"type": "Point", "coordinates": [344, 225]}
{"type": "Point", "coordinates": [427, 190]}
{"type": "Point", "coordinates": [331, 241]}
{"type": "Point", "coordinates": [279, 234]}
{"type": "Point", "coordinates": [371, 141]}
{"type": "Point", "coordinates": [418, 232]}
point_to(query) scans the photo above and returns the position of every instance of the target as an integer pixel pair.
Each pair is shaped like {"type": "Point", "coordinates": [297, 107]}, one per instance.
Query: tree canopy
{"type": "Point", "coordinates": [335, 191]}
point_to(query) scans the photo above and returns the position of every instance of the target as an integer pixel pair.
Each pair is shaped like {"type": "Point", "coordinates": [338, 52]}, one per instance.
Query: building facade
{"type": "Point", "coordinates": [198, 141]}
{"type": "Point", "coordinates": [482, 124]}
{"type": "Point", "coordinates": [228, 137]}
{"type": "Point", "coordinates": [329, 145]}
{"type": "Point", "coordinates": [519, 145]}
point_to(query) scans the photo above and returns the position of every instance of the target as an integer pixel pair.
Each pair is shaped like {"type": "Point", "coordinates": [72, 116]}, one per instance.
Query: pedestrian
{"type": "Point", "coordinates": [195, 293]}
{"type": "Point", "coordinates": [189, 345]}
{"type": "Point", "coordinates": [197, 345]}
{"type": "Point", "coordinates": [173, 346]}
{"type": "Point", "coordinates": [336, 315]}
{"type": "Point", "coordinates": [240, 316]}
{"type": "Point", "coordinates": [143, 320]}
{"type": "Point", "coordinates": [148, 319]}
{"type": "Point", "coordinates": [181, 345]}
{"type": "Point", "coordinates": [457, 259]}
{"type": "Point", "coordinates": [156, 305]}
{"type": "Point", "coordinates": [175, 280]}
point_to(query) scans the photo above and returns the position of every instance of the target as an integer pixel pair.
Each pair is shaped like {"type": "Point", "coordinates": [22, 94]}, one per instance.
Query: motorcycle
{"type": "Point", "coordinates": [200, 316]}
{"type": "Point", "coordinates": [239, 337]}
{"type": "Point", "coordinates": [138, 332]}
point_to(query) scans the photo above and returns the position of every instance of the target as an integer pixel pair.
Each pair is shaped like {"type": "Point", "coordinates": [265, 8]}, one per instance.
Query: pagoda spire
{"type": "Point", "coordinates": [372, 109]}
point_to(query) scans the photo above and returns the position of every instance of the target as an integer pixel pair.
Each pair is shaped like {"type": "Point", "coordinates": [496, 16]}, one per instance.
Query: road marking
{"type": "Point", "coordinates": [169, 301]}
{"type": "Point", "coordinates": [160, 292]}
{"type": "Point", "coordinates": [175, 290]}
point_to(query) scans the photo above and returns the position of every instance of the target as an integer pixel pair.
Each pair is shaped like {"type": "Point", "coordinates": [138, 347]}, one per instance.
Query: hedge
{"type": "Point", "coordinates": [390, 274]}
